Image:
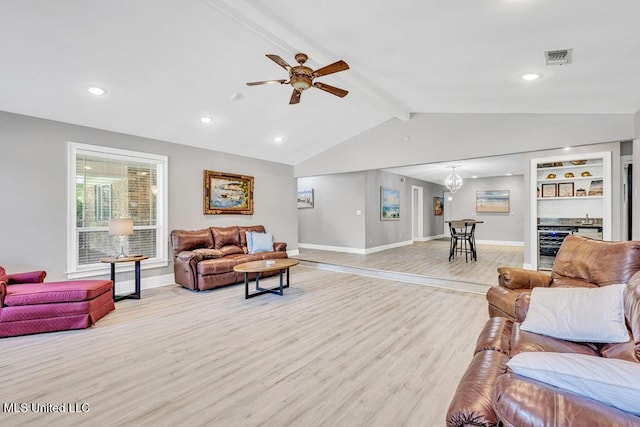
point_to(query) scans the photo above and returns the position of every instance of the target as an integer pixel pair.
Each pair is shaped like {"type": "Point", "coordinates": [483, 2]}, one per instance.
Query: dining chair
{"type": "Point", "coordinates": [461, 239]}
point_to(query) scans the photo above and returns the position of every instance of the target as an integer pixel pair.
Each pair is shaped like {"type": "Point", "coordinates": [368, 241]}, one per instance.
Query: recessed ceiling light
{"type": "Point", "coordinates": [474, 176]}
{"type": "Point", "coordinates": [531, 76]}
{"type": "Point", "coordinates": [508, 174]}
{"type": "Point", "coordinates": [97, 91]}
{"type": "Point", "coordinates": [278, 139]}
{"type": "Point", "coordinates": [567, 148]}
{"type": "Point", "coordinates": [206, 119]}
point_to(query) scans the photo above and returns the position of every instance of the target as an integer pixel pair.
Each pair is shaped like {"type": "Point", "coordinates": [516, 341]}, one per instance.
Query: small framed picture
{"type": "Point", "coordinates": [565, 189]}
{"type": "Point", "coordinates": [549, 190]}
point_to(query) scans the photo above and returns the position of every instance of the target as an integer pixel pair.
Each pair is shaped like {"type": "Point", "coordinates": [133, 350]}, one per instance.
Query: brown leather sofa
{"type": "Point", "coordinates": [204, 259]}
{"type": "Point", "coordinates": [580, 262]}
{"type": "Point", "coordinates": [488, 394]}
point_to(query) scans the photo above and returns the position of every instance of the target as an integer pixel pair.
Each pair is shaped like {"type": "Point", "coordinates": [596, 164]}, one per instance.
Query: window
{"type": "Point", "coordinates": [109, 183]}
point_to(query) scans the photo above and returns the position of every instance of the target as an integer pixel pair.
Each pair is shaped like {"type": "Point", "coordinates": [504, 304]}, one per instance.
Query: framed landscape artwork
{"type": "Point", "coordinates": [226, 193]}
{"type": "Point", "coordinates": [438, 206]}
{"type": "Point", "coordinates": [305, 198]}
{"type": "Point", "coordinates": [389, 204]}
{"type": "Point", "coordinates": [493, 201]}
{"type": "Point", "coordinates": [595, 189]}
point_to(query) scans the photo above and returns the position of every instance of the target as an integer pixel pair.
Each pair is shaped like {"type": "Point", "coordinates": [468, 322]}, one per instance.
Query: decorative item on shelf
{"type": "Point", "coordinates": [595, 189]}
{"type": "Point", "coordinates": [538, 191]}
{"type": "Point", "coordinates": [558, 164]}
{"type": "Point", "coordinates": [545, 165]}
{"type": "Point", "coordinates": [578, 162]}
{"type": "Point", "coordinates": [565, 189]}
{"type": "Point", "coordinates": [551, 176]}
{"type": "Point", "coordinates": [121, 227]}
{"type": "Point", "coordinates": [581, 192]}
{"type": "Point", "coordinates": [586, 173]}
{"type": "Point", "coordinates": [453, 181]}
{"type": "Point", "coordinates": [549, 190]}
{"type": "Point", "coordinates": [569, 175]}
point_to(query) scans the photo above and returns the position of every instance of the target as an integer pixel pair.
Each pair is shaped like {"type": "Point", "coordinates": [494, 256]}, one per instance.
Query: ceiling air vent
{"type": "Point", "coordinates": [558, 57]}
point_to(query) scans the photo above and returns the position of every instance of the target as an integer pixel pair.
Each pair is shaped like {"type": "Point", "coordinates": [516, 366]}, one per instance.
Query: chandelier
{"type": "Point", "coordinates": [453, 181]}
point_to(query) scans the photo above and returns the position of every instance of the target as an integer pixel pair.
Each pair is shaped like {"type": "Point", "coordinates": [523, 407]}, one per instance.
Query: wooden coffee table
{"type": "Point", "coordinates": [282, 265]}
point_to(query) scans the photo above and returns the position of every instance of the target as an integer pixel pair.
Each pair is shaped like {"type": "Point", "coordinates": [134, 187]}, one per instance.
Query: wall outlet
{"type": "Point", "coordinates": [358, 212]}
{"type": "Point", "coordinates": [370, 240]}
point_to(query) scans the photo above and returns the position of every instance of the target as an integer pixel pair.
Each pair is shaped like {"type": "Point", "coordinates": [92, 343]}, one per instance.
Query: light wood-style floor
{"type": "Point", "coordinates": [431, 259]}
{"type": "Point", "coordinates": [336, 350]}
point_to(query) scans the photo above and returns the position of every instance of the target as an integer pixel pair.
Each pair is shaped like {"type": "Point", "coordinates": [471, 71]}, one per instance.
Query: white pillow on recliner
{"type": "Point", "coordinates": [578, 314]}
{"type": "Point", "coordinates": [613, 382]}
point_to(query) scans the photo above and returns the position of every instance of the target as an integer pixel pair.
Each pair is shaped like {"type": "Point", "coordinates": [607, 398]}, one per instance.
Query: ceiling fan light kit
{"type": "Point", "coordinates": [301, 77]}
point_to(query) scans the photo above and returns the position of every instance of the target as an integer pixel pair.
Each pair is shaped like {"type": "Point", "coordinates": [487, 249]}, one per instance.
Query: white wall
{"type": "Point", "coordinates": [334, 223]}
{"type": "Point", "coordinates": [447, 137]}
{"type": "Point", "coordinates": [505, 228]}
{"type": "Point", "coordinates": [33, 190]}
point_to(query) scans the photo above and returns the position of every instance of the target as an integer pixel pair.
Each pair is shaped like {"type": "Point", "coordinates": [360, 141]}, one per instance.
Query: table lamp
{"type": "Point", "coordinates": [121, 227]}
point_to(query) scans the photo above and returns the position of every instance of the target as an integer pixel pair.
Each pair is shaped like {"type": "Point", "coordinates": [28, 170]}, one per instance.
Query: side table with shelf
{"type": "Point", "coordinates": [113, 261]}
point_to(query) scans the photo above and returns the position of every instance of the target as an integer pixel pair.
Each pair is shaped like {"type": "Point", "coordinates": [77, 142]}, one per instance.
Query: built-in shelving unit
{"type": "Point", "coordinates": [569, 192]}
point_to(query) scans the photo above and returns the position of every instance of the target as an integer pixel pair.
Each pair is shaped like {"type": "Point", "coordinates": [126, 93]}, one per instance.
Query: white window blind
{"type": "Point", "coordinates": [109, 183]}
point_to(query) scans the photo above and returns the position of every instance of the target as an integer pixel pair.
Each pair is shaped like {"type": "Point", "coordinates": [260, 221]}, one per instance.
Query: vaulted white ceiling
{"type": "Point", "coordinates": [167, 63]}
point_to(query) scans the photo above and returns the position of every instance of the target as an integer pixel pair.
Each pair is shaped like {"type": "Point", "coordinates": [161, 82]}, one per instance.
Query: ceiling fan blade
{"type": "Point", "coordinates": [331, 68]}
{"type": "Point", "coordinates": [331, 89]}
{"type": "Point", "coordinates": [281, 62]}
{"type": "Point", "coordinates": [266, 82]}
{"type": "Point", "coordinates": [295, 96]}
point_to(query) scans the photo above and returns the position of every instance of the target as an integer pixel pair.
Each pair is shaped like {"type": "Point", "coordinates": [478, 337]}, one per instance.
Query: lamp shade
{"type": "Point", "coordinates": [120, 226]}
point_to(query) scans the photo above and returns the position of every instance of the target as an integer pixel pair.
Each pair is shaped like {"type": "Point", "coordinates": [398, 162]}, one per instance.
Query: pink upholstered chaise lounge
{"type": "Point", "coordinates": [29, 306]}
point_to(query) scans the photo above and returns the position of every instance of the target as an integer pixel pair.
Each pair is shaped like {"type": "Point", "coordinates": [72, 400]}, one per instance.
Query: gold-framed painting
{"type": "Point", "coordinates": [438, 206]}
{"type": "Point", "coordinates": [227, 193]}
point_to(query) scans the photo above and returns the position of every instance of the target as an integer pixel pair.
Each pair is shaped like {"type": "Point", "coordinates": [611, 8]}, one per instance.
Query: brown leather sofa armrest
{"type": "Point", "coordinates": [188, 256]}
{"type": "Point", "coordinates": [29, 277]}
{"type": "Point", "coordinates": [519, 401]}
{"type": "Point", "coordinates": [472, 403]}
{"type": "Point", "coordinates": [280, 246]}
{"type": "Point", "coordinates": [522, 306]}
{"type": "Point", "coordinates": [3, 292]}
{"type": "Point", "coordinates": [519, 278]}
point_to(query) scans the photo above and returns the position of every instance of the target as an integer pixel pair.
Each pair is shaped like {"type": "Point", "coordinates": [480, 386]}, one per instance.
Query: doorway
{"type": "Point", "coordinates": [417, 213]}
{"type": "Point", "coordinates": [448, 204]}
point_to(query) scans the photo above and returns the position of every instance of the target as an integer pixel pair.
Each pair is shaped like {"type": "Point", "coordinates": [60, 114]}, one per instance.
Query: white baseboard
{"type": "Point", "coordinates": [126, 286]}
{"type": "Point", "coordinates": [437, 236]}
{"type": "Point", "coordinates": [500, 242]}
{"type": "Point", "coordinates": [361, 251]}
{"type": "Point", "coordinates": [389, 246]}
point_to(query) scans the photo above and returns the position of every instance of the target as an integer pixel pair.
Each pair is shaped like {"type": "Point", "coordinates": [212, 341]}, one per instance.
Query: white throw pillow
{"type": "Point", "coordinates": [261, 242]}
{"type": "Point", "coordinates": [614, 382]}
{"type": "Point", "coordinates": [578, 314]}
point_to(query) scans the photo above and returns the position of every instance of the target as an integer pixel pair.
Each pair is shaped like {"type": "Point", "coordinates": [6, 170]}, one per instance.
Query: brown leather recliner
{"type": "Point", "coordinates": [488, 394]}
{"type": "Point", "coordinates": [580, 262]}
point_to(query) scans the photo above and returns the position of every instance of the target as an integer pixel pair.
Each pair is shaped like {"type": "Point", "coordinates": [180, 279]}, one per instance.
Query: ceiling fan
{"type": "Point", "coordinates": [301, 77]}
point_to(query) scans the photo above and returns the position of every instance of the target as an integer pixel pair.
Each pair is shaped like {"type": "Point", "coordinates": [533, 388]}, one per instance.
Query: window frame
{"type": "Point", "coordinates": [162, 242]}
